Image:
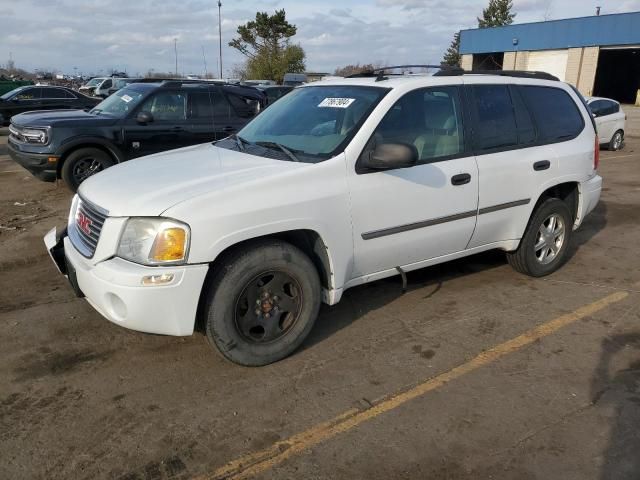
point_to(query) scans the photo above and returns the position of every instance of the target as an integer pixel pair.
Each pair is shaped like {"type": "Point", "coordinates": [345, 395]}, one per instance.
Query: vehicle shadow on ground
{"type": "Point", "coordinates": [620, 390]}
{"type": "Point", "coordinates": [358, 301]}
{"type": "Point", "coordinates": [4, 150]}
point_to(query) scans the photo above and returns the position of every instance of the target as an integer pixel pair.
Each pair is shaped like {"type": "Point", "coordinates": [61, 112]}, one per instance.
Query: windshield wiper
{"type": "Point", "coordinates": [240, 142]}
{"type": "Point", "coordinates": [281, 147]}
{"type": "Point", "coordinates": [95, 111]}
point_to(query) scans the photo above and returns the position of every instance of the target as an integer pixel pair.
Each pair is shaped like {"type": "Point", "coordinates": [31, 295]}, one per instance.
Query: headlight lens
{"type": "Point", "coordinates": [33, 135]}
{"type": "Point", "coordinates": [154, 241]}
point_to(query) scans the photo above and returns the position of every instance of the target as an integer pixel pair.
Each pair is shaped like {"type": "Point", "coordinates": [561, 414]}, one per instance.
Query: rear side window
{"type": "Point", "coordinates": [53, 93]}
{"type": "Point", "coordinates": [555, 113]}
{"type": "Point", "coordinates": [495, 117]}
{"type": "Point", "coordinates": [610, 107]}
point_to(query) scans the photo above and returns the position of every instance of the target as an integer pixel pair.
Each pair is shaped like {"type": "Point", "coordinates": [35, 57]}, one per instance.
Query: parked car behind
{"type": "Point", "coordinates": [29, 98]}
{"type": "Point", "coordinates": [274, 92]}
{"type": "Point", "coordinates": [140, 119]}
{"type": "Point", "coordinates": [118, 83]}
{"type": "Point", "coordinates": [610, 120]}
{"type": "Point", "coordinates": [342, 183]}
{"type": "Point", "coordinates": [102, 87]}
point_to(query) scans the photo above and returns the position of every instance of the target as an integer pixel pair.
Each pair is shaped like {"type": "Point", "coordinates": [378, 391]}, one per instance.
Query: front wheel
{"type": "Point", "coordinates": [83, 163]}
{"type": "Point", "coordinates": [262, 302]}
{"type": "Point", "coordinates": [543, 249]}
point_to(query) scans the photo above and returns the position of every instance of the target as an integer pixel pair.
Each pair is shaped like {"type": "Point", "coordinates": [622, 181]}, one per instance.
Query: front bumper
{"type": "Point", "coordinates": [37, 163]}
{"type": "Point", "coordinates": [114, 288]}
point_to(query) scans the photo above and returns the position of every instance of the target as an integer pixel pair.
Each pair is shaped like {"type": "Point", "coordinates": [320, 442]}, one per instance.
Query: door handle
{"type": "Point", "coordinates": [177, 129]}
{"type": "Point", "coordinates": [541, 165]}
{"type": "Point", "coordinates": [460, 179]}
{"type": "Point", "coordinates": [228, 129]}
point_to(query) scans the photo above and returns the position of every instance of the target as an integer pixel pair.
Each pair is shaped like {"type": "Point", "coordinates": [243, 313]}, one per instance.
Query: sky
{"type": "Point", "coordinates": [95, 36]}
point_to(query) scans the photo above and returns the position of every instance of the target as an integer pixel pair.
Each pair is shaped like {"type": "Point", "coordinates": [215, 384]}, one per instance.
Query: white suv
{"type": "Point", "coordinates": [339, 183]}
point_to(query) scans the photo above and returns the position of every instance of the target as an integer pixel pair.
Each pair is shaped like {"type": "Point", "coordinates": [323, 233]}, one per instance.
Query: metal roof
{"type": "Point", "coordinates": [603, 30]}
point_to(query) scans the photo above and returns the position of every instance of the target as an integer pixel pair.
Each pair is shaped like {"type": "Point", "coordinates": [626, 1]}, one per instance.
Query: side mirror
{"type": "Point", "coordinates": [387, 156]}
{"type": "Point", "coordinates": [144, 117]}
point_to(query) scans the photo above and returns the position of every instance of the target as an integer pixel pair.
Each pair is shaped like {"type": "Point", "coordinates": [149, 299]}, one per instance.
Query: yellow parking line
{"type": "Point", "coordinates": [257, 462]}
{"type": "Point", "coordinates": [619, 156]}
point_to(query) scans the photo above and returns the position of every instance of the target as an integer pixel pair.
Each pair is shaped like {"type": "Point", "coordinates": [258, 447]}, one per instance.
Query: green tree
{"type": "Point", "coordinates": [266, 43]}
{"type": "Point", "coordinates": [497, 13]}
{"type": "Point", "coordinates": [452, 55]}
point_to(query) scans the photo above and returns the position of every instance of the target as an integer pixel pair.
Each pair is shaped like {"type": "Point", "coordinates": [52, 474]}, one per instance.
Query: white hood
{"type": "Point", "coordinates": [148, 186]}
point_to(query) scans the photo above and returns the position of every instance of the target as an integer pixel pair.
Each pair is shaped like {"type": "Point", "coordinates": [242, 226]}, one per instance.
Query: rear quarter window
{"type": "Point", "coordinates": [556, 114]}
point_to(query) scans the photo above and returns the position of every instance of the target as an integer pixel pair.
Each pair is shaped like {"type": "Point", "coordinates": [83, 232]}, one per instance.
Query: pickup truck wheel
{"type": "Point", "coordinates": [83, 163]}
{"type": "Point", "coordinates": [616, 141]}
{"type": "Point", "coordinates": [543, 249]}
{"type": "Point", "coordinates": [262, 302]}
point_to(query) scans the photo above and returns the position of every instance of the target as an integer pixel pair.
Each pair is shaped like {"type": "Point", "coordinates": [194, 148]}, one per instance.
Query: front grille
{"type": "Point", "coordinates": [85, 227]}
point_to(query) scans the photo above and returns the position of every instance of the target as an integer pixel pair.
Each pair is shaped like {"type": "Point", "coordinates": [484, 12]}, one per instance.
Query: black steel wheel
{"type": "Point", "coordinates": [260, 302]}
{"type": "Point", "coordinates": [268, 307]}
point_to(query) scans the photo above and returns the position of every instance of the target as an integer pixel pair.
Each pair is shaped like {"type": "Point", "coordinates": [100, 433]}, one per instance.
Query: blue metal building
{"type": "Point", "coordinates": [599, 54]}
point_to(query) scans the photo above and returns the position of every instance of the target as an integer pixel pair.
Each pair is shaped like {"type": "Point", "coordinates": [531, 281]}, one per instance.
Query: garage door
{"type": "Point", "coordinates": [550, 61]}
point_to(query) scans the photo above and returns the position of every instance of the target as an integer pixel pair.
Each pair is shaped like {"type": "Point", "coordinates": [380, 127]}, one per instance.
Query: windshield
{"type": "Point", "coordinates": [94, 82]}
{"type": "Point", "coordinates": [11, 93]}
{"type": "Point", "coordinates": [313, 122]}
{"type": "Point", "coordinates": [119, 104]}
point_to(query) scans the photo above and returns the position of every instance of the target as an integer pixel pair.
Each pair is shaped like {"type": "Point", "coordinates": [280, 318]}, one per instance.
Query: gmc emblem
{"type": "Point", "coordinates": [84, 223]}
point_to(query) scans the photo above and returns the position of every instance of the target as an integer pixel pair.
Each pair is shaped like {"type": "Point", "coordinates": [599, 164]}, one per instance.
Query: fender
{"type": "Point", "coordinates": [80, 141]}
{"type": "Point", "coordinates": [340, 258]}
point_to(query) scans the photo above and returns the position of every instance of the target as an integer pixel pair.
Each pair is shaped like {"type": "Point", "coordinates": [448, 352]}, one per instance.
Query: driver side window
{"type": "Point", "coordinates": [166, 106]}
{"type": "Point", "coordinates": [430, 119]}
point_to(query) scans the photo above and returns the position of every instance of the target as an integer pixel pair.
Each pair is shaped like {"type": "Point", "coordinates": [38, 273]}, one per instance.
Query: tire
{"type": "Point", "coordinates": [83, 163]}
{"type": "Point", "coordinates": [530, 260]}
{"type": "Point", "coordinates": [247, 302]}
{"type": "Point", "coordinates": [616, 142]}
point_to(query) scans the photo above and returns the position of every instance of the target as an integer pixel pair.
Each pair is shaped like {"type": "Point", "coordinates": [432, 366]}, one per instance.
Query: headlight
{"type": "Point", "coordinates": [33, 135]}
{"type": "Point", "coordinates": [154, 241]}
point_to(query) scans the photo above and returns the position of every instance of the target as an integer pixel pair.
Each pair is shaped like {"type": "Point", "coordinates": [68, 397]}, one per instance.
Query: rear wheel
{"type": "Point", "coordinates": [262, 303]}
{"type": "Point", "coordinates": [616, 141]}
{"type": "Point", "coordinates": [543, 249]}
{"type": "Point", "coordinates": [83, 163]}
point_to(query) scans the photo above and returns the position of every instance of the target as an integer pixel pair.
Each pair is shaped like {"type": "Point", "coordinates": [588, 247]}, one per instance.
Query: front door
{"type": "Point", "coordinates": [169, 128]}
{"type": "Point", "coordinates": [404, 216]}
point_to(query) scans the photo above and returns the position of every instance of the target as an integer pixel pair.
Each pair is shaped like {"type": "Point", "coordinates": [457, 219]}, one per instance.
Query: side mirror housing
{"type": "Point", "coordinates": [144, 117]}
{"type": "Point", "coordinates": [388, 156]}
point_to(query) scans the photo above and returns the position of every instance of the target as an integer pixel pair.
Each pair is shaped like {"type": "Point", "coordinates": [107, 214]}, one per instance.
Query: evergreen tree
{"type": "Point", "coordinates": [497, 13]}
{"type": "Point", "coordinates": [265, 42]}
{"type": "Point", "coordinates": [452, 55]}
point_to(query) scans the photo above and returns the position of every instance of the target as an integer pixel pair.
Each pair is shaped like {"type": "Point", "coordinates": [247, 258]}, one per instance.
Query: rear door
{"type": "Point", "coordinates": [520, 132]}
{"type": "Point", "coordinates": [55, 98]}
{"type": "Point", "coordinates": [512, 165]}
{"type": "Point", "coordinates": [209, 115]}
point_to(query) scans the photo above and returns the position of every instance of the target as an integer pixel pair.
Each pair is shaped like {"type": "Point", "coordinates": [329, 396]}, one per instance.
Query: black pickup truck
{"type": "Point", "coordinates": [141, 119]}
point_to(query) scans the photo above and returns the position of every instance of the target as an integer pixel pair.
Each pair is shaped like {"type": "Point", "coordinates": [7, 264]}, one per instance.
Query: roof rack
{"type": "Point", "coordinates": [380, 75]}
{"type": "Point", "coordinates": [502, 73]}
{"type": "Point", "coordinates": [450, 71]}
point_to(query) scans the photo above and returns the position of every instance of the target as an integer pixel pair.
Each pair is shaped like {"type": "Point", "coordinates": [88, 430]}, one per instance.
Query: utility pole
{"type": "Point", "coordinates": [175, 49]}
{"type": "Point", "coordinates": [220, 34]}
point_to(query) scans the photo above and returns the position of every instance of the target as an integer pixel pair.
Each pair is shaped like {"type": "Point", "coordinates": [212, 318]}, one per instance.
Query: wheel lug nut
{"type": "Point", "coordinates": [258, 302]}
{"type": "Point", "coordinates": [276, 298]}
{"type": "Point", "coordinates": [267, 315]}
{"type": "Point", "coordinates": [257, 311]}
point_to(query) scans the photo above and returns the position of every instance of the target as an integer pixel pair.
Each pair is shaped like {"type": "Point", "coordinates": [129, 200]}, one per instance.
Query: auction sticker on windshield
{"type": "Point", "coordinates": [336, 102]}
{"type": "Point", "coordinates": [126, 98]}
